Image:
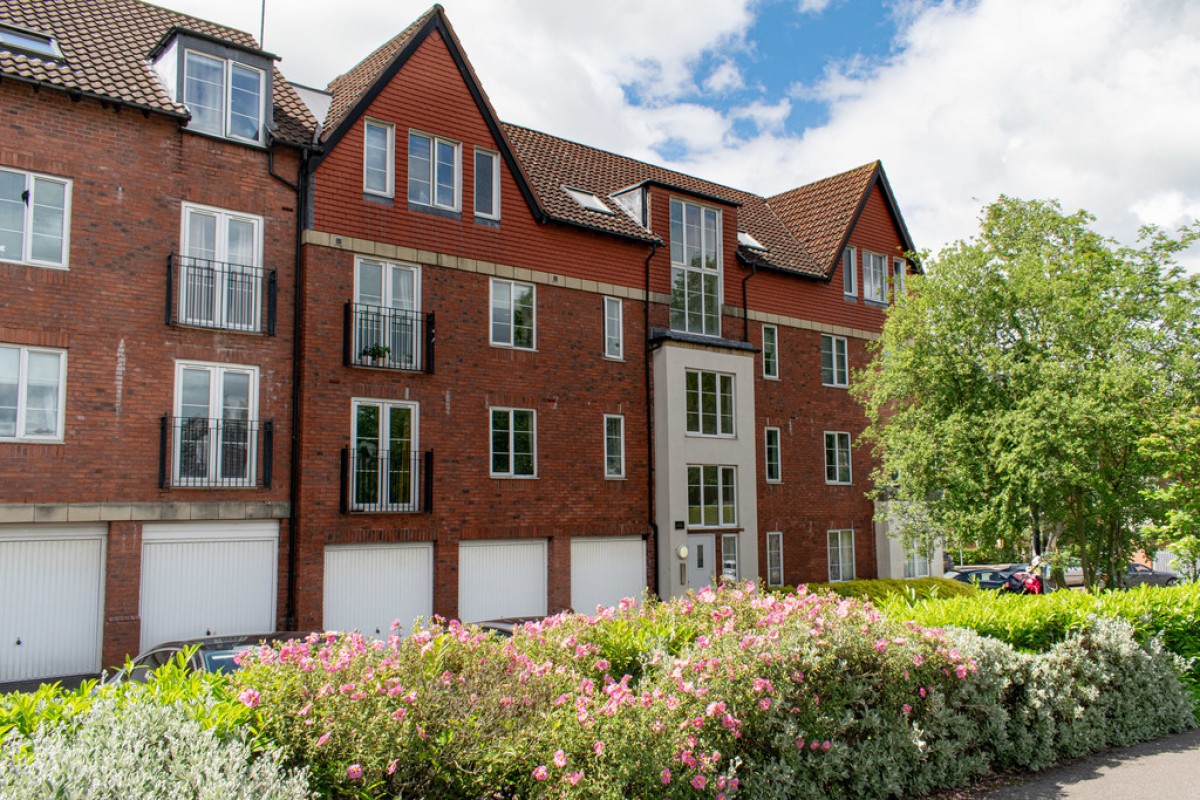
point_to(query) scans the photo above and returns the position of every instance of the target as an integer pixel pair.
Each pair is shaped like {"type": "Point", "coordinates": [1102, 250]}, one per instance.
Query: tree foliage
{"type": "Point", "coordinates": [1175, 448]}
{"type": "Point", "coordinates": [1013, 384]}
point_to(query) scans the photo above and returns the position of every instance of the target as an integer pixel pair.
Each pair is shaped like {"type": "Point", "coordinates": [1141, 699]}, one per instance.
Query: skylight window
{"type": "Point", "coordinates": [30, 43]}
{"type": "Point", "coordinates": [587, 200]}
{"type": "Point", "coordinates": [746, 240]}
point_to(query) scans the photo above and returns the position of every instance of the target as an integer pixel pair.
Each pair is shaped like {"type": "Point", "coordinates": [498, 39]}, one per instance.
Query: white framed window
{"type": "Point", "coordinates": [434, 174]}
{"type": "Point", "coordinates": [709, 403]}
{"type": "Point", "coordinates": [712, 496]}
{"type": "Point", "coordinates": [384, 468]}
{"type": "Point", "coordinates": [770, 352]}
{"type": "Point", "coordinates": [388, 328]}
{"type": "Point", "coordinates": [774, 558]}
{"type": "Point", "coordinates": [614, 329]}
{"type": "Point", "coordinates": [849, 273]}
{"type": "Point", "coordinates": [35, 219]}
{"type": "Point", "coordinates": [514, 312]}
{"type": "Point", "coordinates": [899, 272]}
{"type": "Point", "coordinates": [225, 98]}
{"type": "Point", "coordinates": [220, 270]}
{"type": "Point", "coordinates": [729, 556]}
{"type": "Point", "coordinates": [514, 442]}
{"type": "Point", "coordinates": [695, 268]}
{"type": "Point", "coordinates": [614, 446]}
{"type": "Point", "coordinates": [835, 369]}
{"type": "Point", "coordinates": [918, 563]}
{"type": "Point", "coordinates": [875, 277]}
{"type": "Point", "coordinates": [216, 424]}
{"type": "Point", "coordinates": [487, 184]}
{"type": "Point", "coordinates": [837, 457]}
{"type": "Point", "coordinates": [771, 452]}
{"type": "Point", "coordinates": [33, 392]}
{"type": "Point", "coordinates": [841, 555]}
{"type": "Point", "coordinates": [379, 158]}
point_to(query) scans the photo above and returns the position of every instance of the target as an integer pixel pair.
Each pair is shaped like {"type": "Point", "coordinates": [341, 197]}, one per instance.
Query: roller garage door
{"type": "Point", "coordinates": [51, 600]}
{"type": "Point", "coordinates": [367, 587]}
{"type": "Point", "coordinates": [501, 579]}
{"type": "Point", "coordinates": [605, 569]}
{"type": "Point", "coordinates": [208, 578]}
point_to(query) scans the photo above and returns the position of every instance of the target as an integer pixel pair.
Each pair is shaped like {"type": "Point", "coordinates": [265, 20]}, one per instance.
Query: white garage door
{"type": "Point", "coordinates": [367, 587]}
{"type": "Point", "coordinates": [501, 579]}
{"type": "Point", "coordinates": [208, 578]}
{"type": "Point", "coordinates": [51, 600]}
{"type": "Point", "coordinates": [606, 569]}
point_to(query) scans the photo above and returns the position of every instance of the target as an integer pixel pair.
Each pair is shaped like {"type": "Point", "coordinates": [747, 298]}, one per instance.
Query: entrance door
{"type": "Point", "coordinates": [702, 560]}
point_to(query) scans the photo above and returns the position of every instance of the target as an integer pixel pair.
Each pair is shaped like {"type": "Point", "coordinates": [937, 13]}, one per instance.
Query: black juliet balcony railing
{"type": "Point", "coordinates": [386, 482]}
{"type": "Point", "coordinates": [202, 293]}
{"type": "Point", "coordinates": [205, 452]}
{"type": "Point", "coordinates": [388, 338]}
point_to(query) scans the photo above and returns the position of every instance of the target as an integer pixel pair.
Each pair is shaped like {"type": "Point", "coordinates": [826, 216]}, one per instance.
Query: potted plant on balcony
{"type": "Point", "coordinates": [375, 353]}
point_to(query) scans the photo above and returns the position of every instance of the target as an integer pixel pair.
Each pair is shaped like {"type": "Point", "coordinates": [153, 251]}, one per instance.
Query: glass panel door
{"type": "Point", "coordinates": [241, 278]}
{"type": "Point", "coordinates": [235, 440]}
{"type": "Point", "coordinates": [197, 274]}
{"type": "Point", "coordinates": [192, 442]}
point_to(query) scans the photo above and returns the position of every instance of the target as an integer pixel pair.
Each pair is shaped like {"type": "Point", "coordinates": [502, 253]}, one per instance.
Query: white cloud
{"type": "Point", "coordinates": [726, 77]}
{"type": "Point", "coordinates": [813, 6]}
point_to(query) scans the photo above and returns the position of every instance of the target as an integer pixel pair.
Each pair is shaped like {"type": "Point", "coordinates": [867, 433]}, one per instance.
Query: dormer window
{"type": "Point", "coordinates": [225, 87]}
{"type": "Point", "coordinates": [746, 240]}
{"type": "Point", "coordinates": [225, 98]}
{"type": "Point", "coordinates": [29, 43]}
{"type": "Point", "coordinates": [587, 200]}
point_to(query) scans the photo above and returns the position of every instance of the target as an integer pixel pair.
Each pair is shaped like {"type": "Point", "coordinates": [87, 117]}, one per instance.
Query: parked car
{"type": "Point", "coordinates": [212, 654]}
{"type": "Point", "coordinates": [504, 626]}
{"type": "Point", "coordinates": [985, 576]}
{"type": "Point", "coordinates": [1135, 575]}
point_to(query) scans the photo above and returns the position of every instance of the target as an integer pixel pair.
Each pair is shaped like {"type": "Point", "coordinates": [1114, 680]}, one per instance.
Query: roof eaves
{"type": "Point", "coordinates": [76, 93]}
{"type": "Point", "coordinates": [651, 238]}
{"type": "Point", "coordinates": [712, 198]}
{"type": "Point", "coordinates": [176, 30]}
{"type": "Point", "coordinates": [753, 259]}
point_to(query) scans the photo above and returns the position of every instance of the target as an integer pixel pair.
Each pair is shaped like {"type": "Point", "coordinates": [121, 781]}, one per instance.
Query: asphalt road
{"type": "Point", "coordinates": [1165, 769]}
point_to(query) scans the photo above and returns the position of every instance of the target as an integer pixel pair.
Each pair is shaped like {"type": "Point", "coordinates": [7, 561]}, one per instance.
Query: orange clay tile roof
{"type": "Point", "coordinates": [820, 213]}
{"type": "Point", "coordinates": [106, 46]}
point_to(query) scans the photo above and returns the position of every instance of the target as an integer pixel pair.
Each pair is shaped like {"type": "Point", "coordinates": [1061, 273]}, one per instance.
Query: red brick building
{"type": "Point", "coordinates": [515, 374]}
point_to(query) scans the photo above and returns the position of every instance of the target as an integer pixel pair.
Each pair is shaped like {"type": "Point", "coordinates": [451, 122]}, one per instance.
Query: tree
{"type": "Point", "coordinates": [1175, 449]}
{"type": "Point", "coordinates": [1011, 387]}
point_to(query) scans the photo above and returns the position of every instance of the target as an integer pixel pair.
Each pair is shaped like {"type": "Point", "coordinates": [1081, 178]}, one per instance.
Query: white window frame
{"type": "Point", "coordinates": [217, 373]}
{"type": "Point", "coordinates": [774, 558]}
{"type": "Point", "coordinates": [775, 466]}
{"type": "Point", "coordinates": [839, 362]}
{"type": "Point", "coordinates": [510, 342]}
{"type": "Point", "coordinates": [29, 197]}
{"type": "Point", "coordinates": [494, 157]}
{"type": "Point", "coordinates": [899, 275]}
{"type": "Point", "coordinates": [389, 157]}
{"type": "Point", "coordinates": [681, 316]}
{"type": "Point", "coordinates": [918, 563]}
{"type": "Point", "coordinates": [431, 177]}
{"type": "Point", "coordinates": [404, 338]}
{"type": "Point", "coordinates": [616, 456]}
{"type": "Point", "coordinates": [837, 543]}
{"type": "Point", "coordinates": [875, 277]}
{"type": "Point", "coordinates": [770, 352]}
{"type": "Point", "coordinates": [510, 452]}
{"type": "Point", "coordinates": [385, 409]}
{"type": "Point", "coordinates": [729, 556]}
{"type": "Point", "coordinates": [226, 131]}
{"type": "Point", "coordinates": [726, 495]}
{"type": "Point", "coordinates": [726, 409]}
{"type": "Point", "coordinates": [22, 409]}
{"type": "Point", "coordinates": [614, 329]}
{"type": "Point", "coordinates": [222, 278]}
{"type": "Point", "coordinates": [841, 450]}
{"type": "Point", "coordinates": [850, 272]}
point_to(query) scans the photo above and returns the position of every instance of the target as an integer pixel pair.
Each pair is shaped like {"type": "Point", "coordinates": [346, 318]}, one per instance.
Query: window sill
{"type": "Point", "coordinates": [501, 346]}
{"type": "Point", "coordinates": [851, 298]}
{"type": "Point", "coordinates": [216, 137]}
{"type": "Point", "coordinates": [380, 199]}
{"type": "Point", "coordinates": [19, 263]}
{"type": "Point", "coordinates": [774, 481]}
{"type": "Point", "coordinates": [488, 222]}
{"type": "Point", "coordinates": [615, 359]}
{"type": "Point", "coordinates": [770, 377]}
{"type": "Point", "coordinates": [728, 436]}
{"type": "Point", "coordinates": [199, 326]}
{"type": "Point", "coordinates": [875, 303]}
{"type": "Point", "coordinates": [20, 440]}
{"type": "Point", "coordinates": [615, 478]}
{"type": "Point", "coordinates": [448, 213]}
{"type": "Point", "coordinates": [496, 477]}
{"type": "Point", "coordinates": [839, 483]}
{"type": "Point", "coordinates": [836, 385]}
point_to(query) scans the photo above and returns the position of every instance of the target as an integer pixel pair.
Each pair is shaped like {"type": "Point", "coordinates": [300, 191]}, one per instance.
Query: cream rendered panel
{"type": "Point", "coordinates": [674, 450]}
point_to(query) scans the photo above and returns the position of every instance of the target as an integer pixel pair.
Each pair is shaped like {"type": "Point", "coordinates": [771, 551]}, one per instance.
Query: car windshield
{"type": "Point", "coordinates": [222, 660]}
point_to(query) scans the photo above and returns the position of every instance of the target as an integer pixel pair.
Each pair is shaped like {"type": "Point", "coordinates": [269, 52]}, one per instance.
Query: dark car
{"type": "Point", "coordinates": [985, 576]}
{"type": "Point", "coordinates": [1139, 574]}
{"type": "Point", "coordinates": [212, 654]}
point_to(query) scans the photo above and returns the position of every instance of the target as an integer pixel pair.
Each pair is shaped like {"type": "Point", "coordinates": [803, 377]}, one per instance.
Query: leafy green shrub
{"type": "Point", "coordinates": [913, 589]}
{"type": "Point", "coordinates": [131, 746]}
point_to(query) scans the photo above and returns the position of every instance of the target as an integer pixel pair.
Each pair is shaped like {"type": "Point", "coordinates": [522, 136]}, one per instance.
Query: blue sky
{"type": "Point", "coordinates": [1092, 102]}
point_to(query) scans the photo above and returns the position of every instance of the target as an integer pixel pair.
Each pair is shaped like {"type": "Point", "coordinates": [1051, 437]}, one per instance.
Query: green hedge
{"type": "Point", "coordinates": [882, 589]}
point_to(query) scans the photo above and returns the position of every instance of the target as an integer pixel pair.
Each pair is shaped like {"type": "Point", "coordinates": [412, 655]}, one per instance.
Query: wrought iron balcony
{"type": "Point", "coordinates": [384, 482]}
{"type": "Point", "coordinates": [388, 338]}
{"type": "Point", "coordinates": [203, 293]}
{"type": "Point", "coordinates": [205, 452]}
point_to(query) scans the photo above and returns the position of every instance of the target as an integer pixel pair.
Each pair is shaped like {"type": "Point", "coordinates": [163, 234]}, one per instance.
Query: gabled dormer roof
{"type": "Point", "coordinates": [106, 50]}
{"type": "Point", "coordinates": [822, 214]}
